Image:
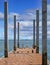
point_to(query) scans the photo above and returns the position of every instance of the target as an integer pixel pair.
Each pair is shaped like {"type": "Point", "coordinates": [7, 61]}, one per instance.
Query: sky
{"type": "Point", "coordinates": [25, 11]}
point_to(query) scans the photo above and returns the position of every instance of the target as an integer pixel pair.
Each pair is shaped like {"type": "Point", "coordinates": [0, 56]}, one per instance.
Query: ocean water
{"type": "Point", "coordinates": [23, 43]}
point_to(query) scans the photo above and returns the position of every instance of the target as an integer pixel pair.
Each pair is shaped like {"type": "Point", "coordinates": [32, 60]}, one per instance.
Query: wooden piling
{"type": "Point", "coordinates": [44, 32]}
{"type": "Point", "coordinates": [14, 32]}
{"type": "Point", "coordinates": [37, 31]}
{"type": "Point", "coordinates": [34, 34]}
{"type": "Point", "coordinates": [5, 30]}
{"type": "Point", "coordinates": [18, 36]}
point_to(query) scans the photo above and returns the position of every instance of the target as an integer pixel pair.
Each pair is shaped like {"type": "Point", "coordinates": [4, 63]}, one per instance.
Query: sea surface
{"type": "Point", "coordinates": [23, 43]}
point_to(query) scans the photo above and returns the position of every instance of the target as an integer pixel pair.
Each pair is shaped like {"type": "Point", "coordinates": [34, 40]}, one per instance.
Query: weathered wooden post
{"type": "Point", "coordinates": [18, 35]}
{"type": "Point", "coordinates": [14, 32]}
{"type": "Point", "coordinates": [34, 34]}
{"type": "Point", "coordinates": [37, 31]}
{"type": "Point", "coordinates": [5, 30]}
{"type": "Point", "coordinates": [44, 32]}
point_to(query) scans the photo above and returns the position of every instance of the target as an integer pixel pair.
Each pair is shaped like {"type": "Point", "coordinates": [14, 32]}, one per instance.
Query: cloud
{"type": "Point", "coordinates": [10, 26]}
{"type": "Point", "coordinates": [11, 15]}
{"type": "Point", "coordinates": [1, 15]}
{"type": "Point", "coordinates": [28, 15]}
{"type": "Point", "coordinates": [26, 22]}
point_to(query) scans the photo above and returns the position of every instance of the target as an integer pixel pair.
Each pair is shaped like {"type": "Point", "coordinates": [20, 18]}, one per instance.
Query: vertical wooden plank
{"type": "Point", "coordinates": [37, 31]}
{"type": "Point", "coordinates": [18, 35]}
{"type": "Point", "coordinates": [34, 34]}
{"type": "Point", "coordinates": [44, 32]}
{"type": "Point", "coordinates": [14, 32]}
{"type": "Point", "coordinates": [5, 30]}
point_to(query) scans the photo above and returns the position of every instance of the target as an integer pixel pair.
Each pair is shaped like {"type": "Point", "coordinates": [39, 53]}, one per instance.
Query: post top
{"type": "Point", "coordinates": [33, 19]}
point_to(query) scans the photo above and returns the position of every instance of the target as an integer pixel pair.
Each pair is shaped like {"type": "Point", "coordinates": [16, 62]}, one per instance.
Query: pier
{"type": "Point", "coordinates": [22, 56]}
{"type": "Point", "coordinates": [26, 56]}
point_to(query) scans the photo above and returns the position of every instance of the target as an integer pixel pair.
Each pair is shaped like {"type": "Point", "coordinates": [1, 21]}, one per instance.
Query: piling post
{"type": "Point", "coordinates": [14, 32]}
{"type": "Point", "coordinates": [44, 32]}
{"type": "Point", "coordinates": [37, 31]}
{"type": "Point", "coordinates": [34, 34]}
{"type": "Point", "coordinates": [5, 30]}
{"type": "Point", "coordinates": [18, 35]}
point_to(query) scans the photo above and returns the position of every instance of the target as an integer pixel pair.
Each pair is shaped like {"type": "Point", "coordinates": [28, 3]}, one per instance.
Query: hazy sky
{"type": "Point", "coordinates": [25, 11]}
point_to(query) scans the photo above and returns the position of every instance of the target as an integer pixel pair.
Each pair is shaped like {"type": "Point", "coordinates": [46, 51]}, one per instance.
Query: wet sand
{"type": "Point", "coordinates": [22, 57]}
